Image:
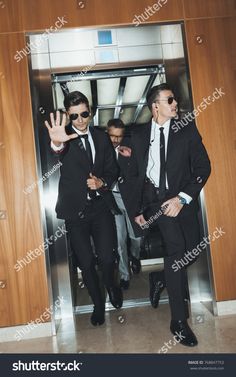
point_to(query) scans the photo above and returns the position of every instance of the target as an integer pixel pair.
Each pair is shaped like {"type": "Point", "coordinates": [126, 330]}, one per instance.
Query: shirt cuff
{"type": "Point", "coordinates": [57, 149]}
{"type": "Point", "coordinates": [186, 197]}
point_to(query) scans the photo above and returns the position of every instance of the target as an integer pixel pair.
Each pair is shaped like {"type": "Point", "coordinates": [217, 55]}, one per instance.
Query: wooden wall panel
{"type": "Point", "coordinates": [28, 15]}
{"type": "Point", "coordinates": [93, 12]}
{"type": "Point", "coordinates": [10, 16]}
{"type": "Point", "coordinates": [32, 15]}
{"type": "Point", "coordinates": [212, 65]}
{"type": "Point", "coordinates": [209, 8]}
{"type": "Point", "coordinates": [26, 296]}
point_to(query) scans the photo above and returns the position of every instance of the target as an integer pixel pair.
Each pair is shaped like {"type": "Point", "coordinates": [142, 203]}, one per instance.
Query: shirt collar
{"type": "Point", "coordinates": [156, 127]}
{"type": "Point", "coordinates": [165, 125]}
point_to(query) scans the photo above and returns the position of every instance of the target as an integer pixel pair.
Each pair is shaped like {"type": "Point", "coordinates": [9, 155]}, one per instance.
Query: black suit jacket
{"type": "Point", "coordinates": [187, 164]}
{"type": "Point", "coordinates": [75, 169]}
{"type": "Point", "coordinates": [126, 184]}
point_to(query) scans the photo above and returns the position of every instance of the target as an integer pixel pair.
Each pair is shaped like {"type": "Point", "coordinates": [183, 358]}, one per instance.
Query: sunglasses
{"type": "Point", "coordinates": [170, 100]}
{"type": "Point", "coordinates": [84, 114]}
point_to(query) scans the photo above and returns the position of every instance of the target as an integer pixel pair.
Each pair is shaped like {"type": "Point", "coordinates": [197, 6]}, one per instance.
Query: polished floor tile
{"type": "Point", "coordinates": [134, 330]}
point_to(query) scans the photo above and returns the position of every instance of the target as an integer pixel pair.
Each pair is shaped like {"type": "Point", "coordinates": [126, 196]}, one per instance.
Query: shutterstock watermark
{"type": "Point", "coordinates": [33, 254]}
{"type": "Point", "coordinates": [36, 365]}
{"type": "Point", "coordinates": [31, 187]}
{"type": "Point", "coordinates": [148, 12]}
{"type": "Point", "coordinates": [83, 72]}
{"type": "Point", "coordinates": [189, 256]}
{"type": "Point", "coordinates": [154, 217]}
{"type": "Point", "coordinates": [45, 316]}
{"type": "Point", "coordinates": [189, 117]}
{"type": "Point", "coordinates": [60, 22]}
{"type": "Point", "coordinates": [172, 342]}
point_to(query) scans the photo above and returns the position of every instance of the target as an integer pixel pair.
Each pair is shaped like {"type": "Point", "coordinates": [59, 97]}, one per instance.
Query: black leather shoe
{"type": "Point", "coordinates": [116, 296]}
{"type": "Point", "coordinates": [135, 265]}
{"type": "Point", "coordinates": [157, 286]}
{"type": "Point", "coordinates": [124, 284]}
{"type": "Point", "coordinates": [183, 333]}
{"type": "Point", "coordinates": [98, 316]}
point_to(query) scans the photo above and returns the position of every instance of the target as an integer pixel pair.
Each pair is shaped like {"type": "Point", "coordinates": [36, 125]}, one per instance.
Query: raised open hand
{"type": "Point", "coordinates": [57, 131]}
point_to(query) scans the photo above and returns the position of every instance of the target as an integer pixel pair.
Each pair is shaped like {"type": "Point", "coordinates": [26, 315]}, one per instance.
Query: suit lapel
{"type": "Point", "coordinates": [142, 143]}
{"type": "Point", "coordinates": [175, 149]}
{"type": "Point", "coordinates": [170, 143]}
{"type": "Point", "coordinates": [96, 147]}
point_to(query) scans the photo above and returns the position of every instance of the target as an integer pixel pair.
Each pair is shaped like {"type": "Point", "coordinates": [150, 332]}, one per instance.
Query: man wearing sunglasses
{"type": "Point", "coordinates": [172, 167]}
{"type": "Point", "coordinates": [85, 201]}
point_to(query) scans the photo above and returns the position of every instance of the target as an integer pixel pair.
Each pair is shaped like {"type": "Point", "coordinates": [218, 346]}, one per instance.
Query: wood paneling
{"type": "Point", "coordinates": [28, 15]}
{"type": "Point", "coordinates": [209, 8]}
{"type": "Point", "coordinates": [10, 16]}
{"type": "Point", "coordinates": [212, 65]}
{"type": "Point", "coordinates": [93, 12]}
{"type": "Point", "coordinates": [32, 15]}
{"type": "Point", "coordinates": [25, 297]}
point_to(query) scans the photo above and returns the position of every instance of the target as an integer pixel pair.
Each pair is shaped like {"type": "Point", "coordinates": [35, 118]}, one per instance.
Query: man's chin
{"type": "Point", "coordinates": [81, 129]}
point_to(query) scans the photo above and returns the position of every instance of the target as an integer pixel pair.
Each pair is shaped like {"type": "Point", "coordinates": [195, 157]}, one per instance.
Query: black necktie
{"type": "Point", "coordinates": [162, 181]}
{"type": "Point", "coordinates": [88, 149]}
{"type": "Point", "coordinates": [92, 193]}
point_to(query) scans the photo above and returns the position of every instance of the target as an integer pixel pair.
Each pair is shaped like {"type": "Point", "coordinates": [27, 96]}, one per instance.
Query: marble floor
{"type": "Point", "coordinates": [133, 330]}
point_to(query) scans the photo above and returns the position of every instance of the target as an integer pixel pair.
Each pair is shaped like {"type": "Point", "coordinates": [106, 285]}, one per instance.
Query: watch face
{"type": "Point", "coordinates": [182, 200]}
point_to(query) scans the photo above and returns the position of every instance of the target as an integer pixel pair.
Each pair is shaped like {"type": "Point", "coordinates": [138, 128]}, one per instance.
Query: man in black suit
{"type": "Point", "coordinates": [85, 201]}
{"type": "Point", "coordinates": [172, 167]}
{"type": "Point", "coordinates": [122, 192]}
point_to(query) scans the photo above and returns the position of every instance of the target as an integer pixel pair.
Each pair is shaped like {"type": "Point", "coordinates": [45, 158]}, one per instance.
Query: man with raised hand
{"type": "Point", "coordinates": [85, 201]}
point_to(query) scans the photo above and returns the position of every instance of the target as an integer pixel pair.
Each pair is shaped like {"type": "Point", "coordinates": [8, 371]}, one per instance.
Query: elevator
{"type": "Point", "coordinates": [114, 67]}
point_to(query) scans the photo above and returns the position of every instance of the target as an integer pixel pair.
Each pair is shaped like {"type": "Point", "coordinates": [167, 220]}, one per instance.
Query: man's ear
{"type": "Point", "coordinates": [155, 107]}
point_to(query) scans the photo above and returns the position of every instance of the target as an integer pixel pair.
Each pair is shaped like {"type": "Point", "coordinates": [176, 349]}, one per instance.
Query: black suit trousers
{"type": "Point", "coordinates": [176, 281]}
{"type": "Point", "coordinates": [175, 245]}
{"type": "Point", "coordinates": [96, 224]}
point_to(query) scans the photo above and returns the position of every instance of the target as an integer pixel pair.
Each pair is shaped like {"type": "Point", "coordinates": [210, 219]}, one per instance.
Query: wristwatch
{"type": "Point", "coordinates": [182, 200]}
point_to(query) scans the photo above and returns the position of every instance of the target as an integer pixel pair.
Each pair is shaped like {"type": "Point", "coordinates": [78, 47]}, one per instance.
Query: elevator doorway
{"type": "Point", "coordinates": [114, 68]}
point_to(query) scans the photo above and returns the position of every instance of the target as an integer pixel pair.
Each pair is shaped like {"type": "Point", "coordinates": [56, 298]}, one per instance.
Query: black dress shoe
{"type": "Point", "coordinates": [116, 296]}
{"type": "Point", "coordinates": [135, 265]}
{"type": "Point", "coordinates": [157, 286]}
{"type": "Point", "coordinates": [98, 316]}
{"type": "Point", "coordinates": [124, 284]}
{"type": "Point", "coordinates": [183, 333]}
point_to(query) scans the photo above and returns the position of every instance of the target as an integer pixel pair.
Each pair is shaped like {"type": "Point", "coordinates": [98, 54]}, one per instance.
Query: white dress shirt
{"type": "Point", "coordinates": [153, 167]}
{"type": "Point", "coordinates": [116, 187]}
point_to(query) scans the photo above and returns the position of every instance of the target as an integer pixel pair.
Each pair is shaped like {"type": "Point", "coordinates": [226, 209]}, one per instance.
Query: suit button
{"type": "Point", "coordinates": [81, 215]}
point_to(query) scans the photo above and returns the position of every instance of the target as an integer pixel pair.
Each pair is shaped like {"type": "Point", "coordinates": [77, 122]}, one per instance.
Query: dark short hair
{"type": "Point", "coordinates": [75, 98]}
{"type": "Point", "coordinates": [154, 92]}
{"type": "Point", "coordinates": [117, 123]}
